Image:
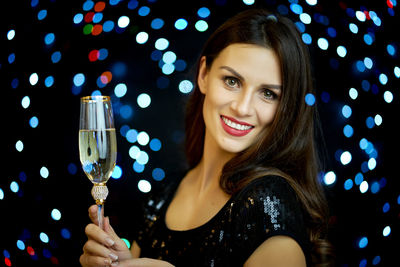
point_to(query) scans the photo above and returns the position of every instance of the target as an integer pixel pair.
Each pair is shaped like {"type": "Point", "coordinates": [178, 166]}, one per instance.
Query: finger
{"type": "Point", "coordinates": [87, 260]}
{"type": "Point", "coordinates": [108, 229]}
{"type": "Point", "coordinates": [93, 248]}
{"type": "Point", "coordinates": [142, 262]}
{"type": "Point", "coordinates": [93, 214]}
{"type": "Point", "coordinates": [95, 233]}
{"type": "Point", "coordinates": [119, 243]}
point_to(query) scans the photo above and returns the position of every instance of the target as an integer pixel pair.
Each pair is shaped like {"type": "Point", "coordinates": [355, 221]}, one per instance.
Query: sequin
{"type": "Point", "coordinates": [264, 208]}
{"type": "Point", "coordinates": [270, 208]}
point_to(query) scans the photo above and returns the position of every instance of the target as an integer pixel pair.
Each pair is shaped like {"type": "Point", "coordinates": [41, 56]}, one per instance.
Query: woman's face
{"type": "Point", "coordinates": [242, 89]}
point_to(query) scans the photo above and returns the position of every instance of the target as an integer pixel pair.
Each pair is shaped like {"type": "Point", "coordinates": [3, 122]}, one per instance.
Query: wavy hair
{"type": "Point", "coordinates": [287, 148]}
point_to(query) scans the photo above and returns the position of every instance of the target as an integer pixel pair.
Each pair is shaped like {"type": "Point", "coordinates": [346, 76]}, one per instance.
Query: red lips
{"type": "Point", "coordinates": [233, 131]}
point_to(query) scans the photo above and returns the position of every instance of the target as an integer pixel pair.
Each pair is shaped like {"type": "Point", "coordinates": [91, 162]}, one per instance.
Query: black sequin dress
{"type": "Point", "coordinates": [266, 207]}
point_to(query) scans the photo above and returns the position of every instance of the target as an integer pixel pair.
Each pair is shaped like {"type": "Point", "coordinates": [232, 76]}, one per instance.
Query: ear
{"type": "Point", "coordinates": [202, 75]}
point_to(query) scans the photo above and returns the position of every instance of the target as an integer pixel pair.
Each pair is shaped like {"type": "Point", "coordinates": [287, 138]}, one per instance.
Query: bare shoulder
{"type": "Point", "coordinates": [277, 251]}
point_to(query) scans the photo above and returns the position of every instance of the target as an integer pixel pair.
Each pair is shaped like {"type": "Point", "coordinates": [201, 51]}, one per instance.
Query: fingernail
{"type": "Point", "coordinates": [113, 256]}
{"type": "Point", "coordinates": [116, 263]}
{"type": "Point", "coordinates": [107, 262]}
{"type": "Point", "coordinates": [110, 242]}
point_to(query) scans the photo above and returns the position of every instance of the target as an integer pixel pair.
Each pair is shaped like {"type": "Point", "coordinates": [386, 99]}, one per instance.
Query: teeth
{"type": "Point", "coordinates": [235, 125]}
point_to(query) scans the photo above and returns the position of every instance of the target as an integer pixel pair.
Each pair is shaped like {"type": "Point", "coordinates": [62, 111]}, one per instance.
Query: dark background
{"type": "Point", "coordinates": [25, 213]}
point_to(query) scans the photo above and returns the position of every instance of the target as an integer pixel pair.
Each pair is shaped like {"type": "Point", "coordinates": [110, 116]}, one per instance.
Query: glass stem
{"type": "Point", "coordinates": [100, 207]}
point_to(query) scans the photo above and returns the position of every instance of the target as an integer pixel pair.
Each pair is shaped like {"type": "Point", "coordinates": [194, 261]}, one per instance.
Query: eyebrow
{"type": "Point", "coordinates": [271, 86]}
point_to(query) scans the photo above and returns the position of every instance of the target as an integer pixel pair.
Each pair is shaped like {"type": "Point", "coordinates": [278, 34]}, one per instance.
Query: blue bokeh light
{"type": "Point", "coordinates": [20, 245]}
{"type": "Point", "coordinates": [348, 184]}
{"type": "Point", "coordinates": [56, 214]}
{"type": "Point", "coordinates": [120, 90]}
{"type": "Point", "coordinates": [372, 78]}
{"type": "Point", "coordinates": [341, 51]}
{"type": "Point", "coordinates": [56, 57]}
{"type": "Point", "coordinates": [307, 39]}
{"type": "Point", "coordinates": [108, 26]}
{"type": "Point", "coordinates": [369, 38]}
{"type": "Point", "coordinates": [158, 174]}
{"type": "Point", "coordinates": [49, 38]}
{"type": "Point", "coordinates": [346, 111]}
{"type": "Point", "coordinates": [375, 187]}
{"type": "Point", "coordinates": [181, 24]}
{"type": "Point", "coordinates": [323, 43]}
{"type": "Point", "coordinates": [126, 111]}
{"type": "Point", "coordinates": [331, 32]}
{"type": "Point", "coordinates": [391, 49]}
{"type": "Point", "coordinates": [88, 5]}
{"type": "Point", "coordinates": [296, 8]}
{"type": "Point", "coordinates": [348, 131]}
{"type": "Point", "coordinates": [329, 178]}
{"type": "Point", "coordinates": [78, 18]}
{"type": "Point", "coordinates": [305, 18]}
{"type": "Point", "coordinates": [34, 122]}
{"type": "Point", "coordinates": [11, 58]}
{"type": "Point", "coordinates": [65, 233]}
{"type": "Point", "coordinates": [139, 168]}
{"type": "Point", "coordinates": [44, 237]}
{"type": "Point", "coordinates": [386, 231]}
{"type": "Point", "coordinates": [370, 122]}
{"type": "Point", "coordinates": [383, 79]}
{"type": "Point", "coordinates": [386, 207]}
{"type": "Point", "coordinates": [358, 179]}
{"type": "Point", "coordinates": [131, 135]}
{"type": "Point", "coordinates": [157, 23]}
{"type": "Point", "coordinates": [49, 81]}
{"type": "Point", "coordinates": [376, 260]}
{"type": "Point", "coordinates": [161, 44]}
{"type": "Point", "coordinates": [353, 28]}
{"type": "Point", "coordinates": [203, 12]}
{"type": "Point", "coordinates": [117, 173]}
{"type": "Point", "coordinates": [310, 99]}
{"type": "Point", "coordinates": [79, 79]}
{"type": "Point", "coordinates": [201, 25]}
{"type": "Point", "coordinates": [144, 11]}
{"type": "Point", "coordinates": [10, 34]}
{"type": "Point", "coordinates": [132, 4]}
{"type": "Point", "coordinates": [14, 187]}
{"type": "Point", "coordinates": [155, 144]}
{"type": "Point", "coordinates": [363, 242]}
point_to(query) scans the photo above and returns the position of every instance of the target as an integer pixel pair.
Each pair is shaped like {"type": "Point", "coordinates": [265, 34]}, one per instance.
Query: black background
{"type": "Point", "coordinates": [27, 213]}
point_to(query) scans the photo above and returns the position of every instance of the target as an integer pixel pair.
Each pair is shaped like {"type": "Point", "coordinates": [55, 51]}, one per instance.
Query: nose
{"type": "Point", "coordinates": [243, 104]}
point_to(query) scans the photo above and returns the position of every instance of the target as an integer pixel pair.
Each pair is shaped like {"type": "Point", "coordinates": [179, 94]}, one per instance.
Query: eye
{"type": "Point", "coordinates": [231, 81]}
{"type": "Point", "coordinates": [269, 94]}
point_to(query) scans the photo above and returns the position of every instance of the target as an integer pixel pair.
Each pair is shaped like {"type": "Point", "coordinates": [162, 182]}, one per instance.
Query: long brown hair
{"type": "Point", "coordinates": [287, 148]}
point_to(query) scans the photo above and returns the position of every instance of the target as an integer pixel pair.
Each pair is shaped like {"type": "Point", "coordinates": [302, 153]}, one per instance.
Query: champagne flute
{"type": "Point", "coordinates": [97, 146]}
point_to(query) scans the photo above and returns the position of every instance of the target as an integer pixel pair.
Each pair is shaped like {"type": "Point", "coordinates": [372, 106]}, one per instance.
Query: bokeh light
{"type": "Point", "coordinates": [143, 54]}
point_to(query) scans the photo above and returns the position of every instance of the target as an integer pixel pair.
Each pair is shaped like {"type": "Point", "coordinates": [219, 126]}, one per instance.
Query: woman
{"type": "Point", "coordinates": [251, 196]}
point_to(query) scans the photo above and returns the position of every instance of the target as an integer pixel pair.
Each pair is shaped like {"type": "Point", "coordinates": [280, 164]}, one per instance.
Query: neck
{"type": "Point", "coordinates": [209, 169]}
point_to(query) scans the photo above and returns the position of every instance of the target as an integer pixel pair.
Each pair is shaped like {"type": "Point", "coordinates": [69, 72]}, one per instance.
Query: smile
{"type": "Point", "coordinates": [234, 127]}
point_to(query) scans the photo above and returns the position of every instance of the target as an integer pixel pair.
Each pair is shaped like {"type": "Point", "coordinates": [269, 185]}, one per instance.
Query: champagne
{"type": "Point", "coordinates": [98, 153]}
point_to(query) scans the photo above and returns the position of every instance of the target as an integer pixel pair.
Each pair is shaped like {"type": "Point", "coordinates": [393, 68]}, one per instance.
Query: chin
{"type": "Point", "coordinates": [234, 147]}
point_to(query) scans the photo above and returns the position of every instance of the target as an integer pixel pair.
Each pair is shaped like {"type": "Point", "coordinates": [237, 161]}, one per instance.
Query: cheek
{"type": "Point", "coordinates": [267, 115]}
{"type": "Point", "coordinates": [216, 95]}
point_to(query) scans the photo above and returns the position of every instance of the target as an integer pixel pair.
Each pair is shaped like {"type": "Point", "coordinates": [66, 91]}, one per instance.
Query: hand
{"type": "Point", "coordinates": [103, 246]}
{"type": "Point", "coordinates": [142, 262]}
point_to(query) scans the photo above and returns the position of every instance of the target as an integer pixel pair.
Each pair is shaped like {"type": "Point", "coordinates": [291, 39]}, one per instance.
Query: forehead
{"type": "Point", "coordinates": [251, 61]}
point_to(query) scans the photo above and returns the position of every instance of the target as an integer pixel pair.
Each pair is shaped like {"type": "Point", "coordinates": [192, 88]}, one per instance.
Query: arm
{"type": "Point", "coordinates": [135, 250]}
{"type": "Point", "coordinates": [277, 251]}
